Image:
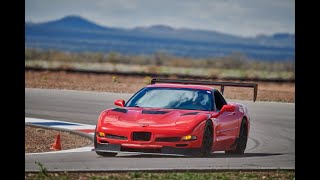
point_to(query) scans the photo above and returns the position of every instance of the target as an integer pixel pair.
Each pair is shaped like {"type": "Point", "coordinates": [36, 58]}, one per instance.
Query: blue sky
{"type": "Point", "coordinates": [238, 17]}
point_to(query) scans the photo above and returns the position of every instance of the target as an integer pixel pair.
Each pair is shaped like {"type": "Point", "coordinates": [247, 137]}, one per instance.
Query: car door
{"type": "Point", "coordinates": [226, 124]}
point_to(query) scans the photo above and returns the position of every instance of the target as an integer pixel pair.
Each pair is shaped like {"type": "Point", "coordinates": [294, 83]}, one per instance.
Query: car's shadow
{"type": "Point", "coordinates": [214, 155]}
{"type": "Point", "coordinates": [222, 155]}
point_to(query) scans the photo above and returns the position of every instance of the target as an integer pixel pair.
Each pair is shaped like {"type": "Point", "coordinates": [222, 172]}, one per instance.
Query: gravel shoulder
{"type": "Point", "coordinates": [40, 139]}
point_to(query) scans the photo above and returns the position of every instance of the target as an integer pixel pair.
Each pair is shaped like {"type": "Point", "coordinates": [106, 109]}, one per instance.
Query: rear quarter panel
{"type": "Point", "coordinates": [242, 112]}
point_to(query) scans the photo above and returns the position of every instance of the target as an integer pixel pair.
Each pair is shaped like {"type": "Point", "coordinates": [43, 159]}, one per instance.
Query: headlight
{"type": "Point", "coordinates": [101, 134]}
{"type": "Point", "coordinates": [188, 138]}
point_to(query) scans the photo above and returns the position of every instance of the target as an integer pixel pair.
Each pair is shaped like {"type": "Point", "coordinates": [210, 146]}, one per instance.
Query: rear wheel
{"type": "Point", "coordinates": [241, 143]}
{"type": "Point", "coordinates": [207, 140]}
{"type": "Point", "coordinates": [104, 154]}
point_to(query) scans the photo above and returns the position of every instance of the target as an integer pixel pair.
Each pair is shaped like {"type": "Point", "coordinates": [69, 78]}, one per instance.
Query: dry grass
{"type": "Point", "coordinates": [280, 92]}
{"type": "Point", "coordinates": [233, 175]}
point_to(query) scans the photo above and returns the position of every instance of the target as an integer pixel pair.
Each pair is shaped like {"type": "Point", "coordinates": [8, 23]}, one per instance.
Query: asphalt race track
{"type": "Point", "coordinates": [271, 142]}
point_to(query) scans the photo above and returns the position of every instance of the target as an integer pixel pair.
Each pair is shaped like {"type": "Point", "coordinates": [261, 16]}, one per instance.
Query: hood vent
{"type": "Point", "coordinates": [154, 112]}
{"type": "Point", "coordinates": [190, 113]}
{"type": "Point", "coordinates": [120, 110]}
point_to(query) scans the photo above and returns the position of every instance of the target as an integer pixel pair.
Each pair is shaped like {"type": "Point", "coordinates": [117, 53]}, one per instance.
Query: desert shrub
{"type": "Point", "coordinates": [235, 60]}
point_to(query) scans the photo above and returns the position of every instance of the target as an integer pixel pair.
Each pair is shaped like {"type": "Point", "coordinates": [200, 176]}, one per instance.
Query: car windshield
{"type": "Point", "coordinates": [172, 98]}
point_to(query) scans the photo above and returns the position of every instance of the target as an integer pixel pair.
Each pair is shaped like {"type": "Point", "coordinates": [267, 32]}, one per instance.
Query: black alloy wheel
{"type": "Point", "coordinates": [207, 140]}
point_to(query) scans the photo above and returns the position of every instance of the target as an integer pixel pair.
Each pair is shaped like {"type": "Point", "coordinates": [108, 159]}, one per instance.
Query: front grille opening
{"type": "Point", "coordinates": [144, 150]}
{"type": "Point", "coordinates": [103, 142]}
{"type": "Point", "coordinates": [168, 139]}
{"type": "Point", "coordinates": [111, 136]}
{"type": "Point", "coordinates": [141, 136]}
{"type": "Point", "coordinates": [181, 145]}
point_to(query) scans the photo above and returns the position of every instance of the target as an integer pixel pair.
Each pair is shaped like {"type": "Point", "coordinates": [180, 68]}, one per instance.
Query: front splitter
{"type": "Point", "coordinates": [165, 150]}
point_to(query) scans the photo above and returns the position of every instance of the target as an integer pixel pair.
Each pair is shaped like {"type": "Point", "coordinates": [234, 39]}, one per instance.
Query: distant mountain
{"type": "Point", "coordinates": [156, 28]}
{"type": "Point", "coordinates": [74, 33]}
{"type": "Point", "coordinates": [283, 36]}
{"type": "Point", "coordinates": [68, 23]}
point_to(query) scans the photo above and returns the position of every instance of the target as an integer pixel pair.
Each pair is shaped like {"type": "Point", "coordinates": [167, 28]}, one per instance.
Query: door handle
{"type": "Point", "coordinates": [232, 113]}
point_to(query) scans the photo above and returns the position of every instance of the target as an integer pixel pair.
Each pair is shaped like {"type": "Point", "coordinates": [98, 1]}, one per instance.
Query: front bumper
{"type": "Point", "coordinates": [164, 150]}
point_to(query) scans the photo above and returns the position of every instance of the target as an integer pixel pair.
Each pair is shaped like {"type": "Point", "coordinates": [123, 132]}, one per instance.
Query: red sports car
{"type": "Point", "coordinates": [175, 117]}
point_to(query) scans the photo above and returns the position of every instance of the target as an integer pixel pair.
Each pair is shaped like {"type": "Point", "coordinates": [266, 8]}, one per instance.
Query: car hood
{"type": "Point", "coordinates": [153, 117]}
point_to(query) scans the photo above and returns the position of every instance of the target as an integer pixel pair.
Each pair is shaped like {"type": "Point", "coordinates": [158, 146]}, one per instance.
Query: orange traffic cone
{"type": "Point", "coordinates": [57, 143]}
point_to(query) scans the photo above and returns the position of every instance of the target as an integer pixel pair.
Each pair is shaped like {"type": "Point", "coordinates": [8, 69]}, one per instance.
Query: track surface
{"type": "Point", "coordinates": [271, 142]}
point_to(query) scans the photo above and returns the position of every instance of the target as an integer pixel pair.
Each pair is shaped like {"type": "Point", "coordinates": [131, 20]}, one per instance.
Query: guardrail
{"type": "Point", "coordinates": [162, 75]}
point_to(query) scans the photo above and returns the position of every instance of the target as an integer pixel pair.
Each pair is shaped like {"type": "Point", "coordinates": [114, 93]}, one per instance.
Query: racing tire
{"type": "Point", "coordinates": [104, 154]}
{"type": "Point", "coordinates": [241, 143]}
{"type": "Point", "coordinates": [207, 140]}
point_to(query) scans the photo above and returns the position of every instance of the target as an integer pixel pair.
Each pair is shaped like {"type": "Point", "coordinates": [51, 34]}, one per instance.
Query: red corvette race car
{"type": "Point", "coordinates": [175, 117]}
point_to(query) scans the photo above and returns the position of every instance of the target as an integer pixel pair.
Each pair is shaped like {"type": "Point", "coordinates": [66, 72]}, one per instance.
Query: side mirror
{"type": "Point", "coordinates": [119, 102]}
{"type": "Point", "coordinates": [227, 108]}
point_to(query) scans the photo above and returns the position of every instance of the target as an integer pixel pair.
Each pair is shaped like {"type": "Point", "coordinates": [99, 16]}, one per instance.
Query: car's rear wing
{"type": "Point", "coordinates": [221, 84]}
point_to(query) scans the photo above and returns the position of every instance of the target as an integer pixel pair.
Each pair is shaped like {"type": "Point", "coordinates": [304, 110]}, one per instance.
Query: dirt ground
{"type": "Point", "coordinates": [40, 140]}
{"type": "Point", "coordinates": [267, 91]}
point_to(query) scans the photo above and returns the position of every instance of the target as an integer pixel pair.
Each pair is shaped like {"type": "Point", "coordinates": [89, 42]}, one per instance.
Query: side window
{"type": "Point", "coordinates": [219, 100]}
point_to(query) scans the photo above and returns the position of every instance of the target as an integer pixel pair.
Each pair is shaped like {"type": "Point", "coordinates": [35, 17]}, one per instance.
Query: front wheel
{"type": "Point", "coordinates": [241, 143]}
{"type": "Point", "coordinates": [207, 140]}
{"type": "Point", "coordinates": [104, 154]}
